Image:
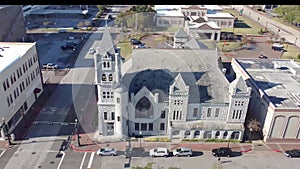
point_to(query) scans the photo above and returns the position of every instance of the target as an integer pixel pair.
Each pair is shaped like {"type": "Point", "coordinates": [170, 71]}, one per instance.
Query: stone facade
{"type": "Point", "coordinates": [179, 93]}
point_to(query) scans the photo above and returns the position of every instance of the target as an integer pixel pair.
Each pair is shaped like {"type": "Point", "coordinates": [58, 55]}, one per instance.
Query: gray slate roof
{"type": "Point", "coordinates": [195, 44]}
{"type": "Point", "coordinates": [106, 43]}
{"type": "Point", "coordinates": [157, 69]}
{"type": "Point", "coordinates": [181, 34]}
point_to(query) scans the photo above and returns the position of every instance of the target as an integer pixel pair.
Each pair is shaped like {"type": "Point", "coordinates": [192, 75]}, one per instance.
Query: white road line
{"type": "Point", "coordinates": [62, 159]}
{"type": "Point", "coordinates": [91, 160]}
{"type": "Point", "coordinates": [3, 151]}
{"type": "Point", "coordinates": [82, 160]}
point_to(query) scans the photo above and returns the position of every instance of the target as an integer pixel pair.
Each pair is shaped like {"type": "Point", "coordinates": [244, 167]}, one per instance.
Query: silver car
{"type": "Point", "coordinates": [107, 151]}
{"type": "Point", "coordinates": [159, 152]}
{"type": "Point", "coordinates": [182, 152]}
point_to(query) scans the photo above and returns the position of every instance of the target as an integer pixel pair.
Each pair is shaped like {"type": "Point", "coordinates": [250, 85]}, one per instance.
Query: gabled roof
{"type": "Point", "coordinates": [181, 34]}
{"type": "Point", "coordinates": [204, 26]}
{"type": "Point", "coordinates": [239, 85]}
{"type": "Point", "coordinates": [179, 85]}
{"type": "Point", "coordinates": [107, 45]}
{"type": "Point", "coordinates": [195, 44]}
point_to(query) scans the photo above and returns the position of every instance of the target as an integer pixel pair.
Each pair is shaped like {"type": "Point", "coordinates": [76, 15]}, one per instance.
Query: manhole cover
{"type": "Point", "coordinates": [52, 162]}
{"type": "Point", "coordinates": [33, 153]}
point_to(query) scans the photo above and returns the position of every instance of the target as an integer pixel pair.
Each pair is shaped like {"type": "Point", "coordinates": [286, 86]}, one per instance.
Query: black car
{"type": "Point", "coordinates": [292, 153]}
{"type": "Point", "coordinates": [222, 152]}
{"type": "Point", "coordinates": [263, 57]}
{"type": "Point", "coordinates": [136, 42]}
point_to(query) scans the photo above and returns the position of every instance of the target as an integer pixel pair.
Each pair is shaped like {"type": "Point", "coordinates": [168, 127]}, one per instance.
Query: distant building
{"type": "Point", "coordinates": [179, 93]}
{"type": "Point", "coordinates": [12, 27]}
{"type": "Point", "coordinates": [180, 38]}
{"type": "Point", "coordinates": [21, 82]}
{"type": "Point", "coordinates": [275, 97]}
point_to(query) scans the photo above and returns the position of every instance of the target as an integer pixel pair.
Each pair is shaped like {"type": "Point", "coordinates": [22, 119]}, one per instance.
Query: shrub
{"type": "Point", "coordinates": [157, 139]}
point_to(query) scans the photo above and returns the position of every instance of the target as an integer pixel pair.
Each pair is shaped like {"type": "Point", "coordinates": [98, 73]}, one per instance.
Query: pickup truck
{"type": "Point", "coordinates": [50, 66]}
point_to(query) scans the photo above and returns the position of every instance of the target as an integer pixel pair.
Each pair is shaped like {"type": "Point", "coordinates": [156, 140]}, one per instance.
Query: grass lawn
{"type": "Point", "coordinates": [247, 26]}
{"type": "Point", "coordinates": [292, 53]}
{"type": "Point", "coordinates": [126, 49]}
{"type": "Point", "coordinates": [228, 46]}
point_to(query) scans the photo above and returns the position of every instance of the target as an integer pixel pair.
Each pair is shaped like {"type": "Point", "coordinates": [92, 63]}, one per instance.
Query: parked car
{"type": "Point", "coordinates": [182, 152]}
{"type": "Point", "coordinates": [133, 39]}
{"type": "Point", "coordinates": [68, 46]}
{"type": "Point", "coordinates": [277, 47]}
{"type": "Point", "coordinates": [263, 57]}
{"type": "Point", "coordinates": [107, 151]}
{"type": "Point", "coordinates": [62, 31]}
{"type": "Point", "coordinates": [136, 42]}
{"type": "Point", "coordinates": [222, 152]}
{"type": "Point", "coordinates": [141, 46]}
{"type": "Point", "coordinates": [159, 152]}
{"type": "Point", "coordinates": [50, 66]}
{"type": "Point", "coordinates": [292, 153]}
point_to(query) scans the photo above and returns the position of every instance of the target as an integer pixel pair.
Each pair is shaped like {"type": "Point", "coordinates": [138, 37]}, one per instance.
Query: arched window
{"type": "Point", "coordinates": [225, 135]}
{"type": "Point", "coordinates": [218, 134]}
{"type": "Point", "coordinates": [104, 64]}
{"type": "Point", "coordinates": [108, 64]}
{"type": "Point", "coordinates": [143, 108]}
{"type": "Point", "coordinates": [103, 77]}
{"type": "Point", "coordinates": [110, 77]}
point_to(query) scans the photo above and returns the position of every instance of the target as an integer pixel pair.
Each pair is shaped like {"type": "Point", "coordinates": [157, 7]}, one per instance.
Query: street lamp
{"type": "Point", "coordinates": [77, 133]}
{"type": "Point", "coordinates": [140, 133]}
{"type": "Point", "coordinates": [250, 134]}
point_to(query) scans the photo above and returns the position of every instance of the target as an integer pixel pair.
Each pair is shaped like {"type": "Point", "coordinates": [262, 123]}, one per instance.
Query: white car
{"type": "Point", "coordinates": [107, 151]}
{"type": "Point", "coordinates": [159, 152]}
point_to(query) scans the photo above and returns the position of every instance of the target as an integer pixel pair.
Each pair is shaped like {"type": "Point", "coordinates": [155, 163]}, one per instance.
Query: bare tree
{"type": "Point", "coordinates": [253, 125]}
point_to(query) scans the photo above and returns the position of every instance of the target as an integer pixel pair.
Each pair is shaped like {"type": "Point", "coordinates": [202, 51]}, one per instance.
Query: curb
{"type": "Point", "coordinates": [246, 151]}
{"type": "Point", "coordinates": [78, 150]}
{"type": "Point", "coordinates": [277, 151]}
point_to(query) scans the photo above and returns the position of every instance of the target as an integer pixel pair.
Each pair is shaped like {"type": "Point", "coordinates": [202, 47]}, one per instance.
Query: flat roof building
{"type": "Point", "coordinates": [275, 98]}
{"type": "Point", "coordinates": [21, 82]}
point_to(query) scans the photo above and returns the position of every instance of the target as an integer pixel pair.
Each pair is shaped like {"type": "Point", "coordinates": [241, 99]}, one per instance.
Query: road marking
{"type": "Point", "coordinates": [62, 158]}
{"type": "Point", "coordinates": [3, 151]}
{"type": "Point", "coordinates": [82, 160]}
{"type": "Point", "coordinates": [91, 160]}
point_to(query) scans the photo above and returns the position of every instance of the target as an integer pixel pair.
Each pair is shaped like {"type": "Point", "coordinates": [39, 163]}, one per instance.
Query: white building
{"type": "Point", "coordinates": [275, 97]}
{"type": "Point", "coordinates": [21, 82]}
{"type": "Point", "coordinates": [179, 93]}
{"type": "Point", "coordinates": [224, 20]}
{"type": "Point", "coordinates": [168, 16]}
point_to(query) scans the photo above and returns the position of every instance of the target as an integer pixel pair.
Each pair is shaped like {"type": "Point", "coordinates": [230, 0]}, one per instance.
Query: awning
{"type": "Point", "coordinates": [37, 90]}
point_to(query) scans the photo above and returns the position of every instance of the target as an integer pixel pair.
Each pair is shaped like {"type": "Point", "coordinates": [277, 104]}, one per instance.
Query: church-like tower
{"type": "Point", "coordinates": [107, 70]}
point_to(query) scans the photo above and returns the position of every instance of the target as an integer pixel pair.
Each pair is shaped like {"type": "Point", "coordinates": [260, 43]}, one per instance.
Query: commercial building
{"type": "Point", "coordinates": [275, 97]}
{"type": "Point", "coordinates": [21, 82]}
{"type": "Point", "coordinates": [179, 93]}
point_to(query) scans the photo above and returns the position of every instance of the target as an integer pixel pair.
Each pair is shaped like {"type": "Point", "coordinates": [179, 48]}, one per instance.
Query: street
{"type": "Point", "coordinates": [288, 33]}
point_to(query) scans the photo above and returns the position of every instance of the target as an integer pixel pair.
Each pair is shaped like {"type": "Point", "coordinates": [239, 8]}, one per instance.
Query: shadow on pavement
{"type": "Point", "coordinates": [236, 154]}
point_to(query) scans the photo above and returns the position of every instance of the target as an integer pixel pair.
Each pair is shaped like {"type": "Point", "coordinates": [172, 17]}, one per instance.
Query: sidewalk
{"type": "Point", "coordinates": [87, 145]}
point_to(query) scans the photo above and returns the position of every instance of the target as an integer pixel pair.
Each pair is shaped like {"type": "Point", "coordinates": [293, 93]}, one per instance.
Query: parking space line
{"type": "Point", "coordinates": [83, 158]}
{"type": "Point", "coordinates": [3, 151]}
{"type": "Point", "coordinates": [91, 160]}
